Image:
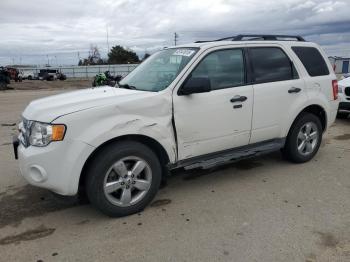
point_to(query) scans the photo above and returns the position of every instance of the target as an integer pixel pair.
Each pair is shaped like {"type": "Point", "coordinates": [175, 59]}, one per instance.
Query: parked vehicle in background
{"type": "Point", "coordinates": [344, 98]}
{"type": "Point", "coordinates": [191, 106]}
{"type": "Point", "coordinates": [61, 76]}
{"type": "Point", "coordinates": [51, 75]}
{"type": "Point", "coordinates": [40, 75]}
{"type": "Point", "coordinates": [14, 74]}
{"type": "Point", "coordinates": [27, 74]}
{"type": "Point", "coordinates": [4, 78]}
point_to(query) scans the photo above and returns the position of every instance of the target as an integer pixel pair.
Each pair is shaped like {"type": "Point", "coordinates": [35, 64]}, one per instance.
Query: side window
{"type": "Point", "coordinates": [312, 60]}
{"type": "Point", "coordinates": [224, 68]}
{"type": "Point", "coordinates": [271, 64]}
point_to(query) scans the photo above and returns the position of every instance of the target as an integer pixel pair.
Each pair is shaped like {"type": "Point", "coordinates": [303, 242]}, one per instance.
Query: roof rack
{"type": "Point", "coordinates": [259, 38]}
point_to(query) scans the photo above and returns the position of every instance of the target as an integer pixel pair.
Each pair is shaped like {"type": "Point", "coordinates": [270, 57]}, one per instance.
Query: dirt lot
{"type": "Point", "coordinates": [264, 209]}
{"type": "Point", "coordinates": [38, 84]}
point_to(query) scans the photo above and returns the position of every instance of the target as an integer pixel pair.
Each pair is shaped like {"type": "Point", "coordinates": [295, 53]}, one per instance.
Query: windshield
{"type": "Point", "coordinates": [159, 70]}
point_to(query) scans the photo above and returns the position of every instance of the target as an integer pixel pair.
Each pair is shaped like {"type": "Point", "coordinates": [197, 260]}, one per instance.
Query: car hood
{"type": "Point", "coordinates": [49, 108]}
{"type": "Point", "coordinates": [344, 82]}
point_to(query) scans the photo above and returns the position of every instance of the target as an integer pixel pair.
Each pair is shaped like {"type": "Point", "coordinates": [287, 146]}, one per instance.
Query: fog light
{"type": "Point", "coordinates": [37, 174]}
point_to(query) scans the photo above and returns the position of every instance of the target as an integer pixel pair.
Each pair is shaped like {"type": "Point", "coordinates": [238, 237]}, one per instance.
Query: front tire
{"type": "Point", "coordinates": [304, 138]}
{"type": "Point", "coordinates": [123, 178]}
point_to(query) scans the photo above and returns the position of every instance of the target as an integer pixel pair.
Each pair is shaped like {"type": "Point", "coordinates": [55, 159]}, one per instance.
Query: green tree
{"type": "Point", "coordinates": [120, 55]}
{"type": "Point", "coordinates": [146, 55]}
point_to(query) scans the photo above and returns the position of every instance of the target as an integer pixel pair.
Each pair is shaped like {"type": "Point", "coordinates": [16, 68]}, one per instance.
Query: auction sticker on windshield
{"type": "Point", "coordinates": [184, 52]}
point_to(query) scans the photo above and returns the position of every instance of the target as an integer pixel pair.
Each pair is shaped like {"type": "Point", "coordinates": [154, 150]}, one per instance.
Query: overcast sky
{"type": "Point", "coordinates": [34, 31]}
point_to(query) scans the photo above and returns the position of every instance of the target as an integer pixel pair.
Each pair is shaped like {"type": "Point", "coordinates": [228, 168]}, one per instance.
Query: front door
{"type": "Point", "coordinates": [219, 119]}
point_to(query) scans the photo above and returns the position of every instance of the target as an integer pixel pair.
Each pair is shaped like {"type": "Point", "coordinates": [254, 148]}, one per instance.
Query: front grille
{"type": "Point", "coordinates": [347, 91]}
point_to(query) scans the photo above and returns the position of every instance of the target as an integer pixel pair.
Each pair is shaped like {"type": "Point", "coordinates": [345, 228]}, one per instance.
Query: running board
{"type": "Point", "coordinates": [231, 155]}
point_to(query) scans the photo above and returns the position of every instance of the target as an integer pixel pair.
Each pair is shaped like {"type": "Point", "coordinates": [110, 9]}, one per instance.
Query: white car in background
{"type": "Point", "coordinates": [27, 74]}
{"type": "Point", "coordinates": [344, 98]}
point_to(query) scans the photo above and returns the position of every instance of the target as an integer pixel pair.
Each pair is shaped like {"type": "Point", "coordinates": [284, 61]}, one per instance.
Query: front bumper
{"type": "Point", "coordinates": [56, 167]}
{"type": "Point", "coordinates": [344, 106]}
{"type": "Point", "coordinates": [344, 101]}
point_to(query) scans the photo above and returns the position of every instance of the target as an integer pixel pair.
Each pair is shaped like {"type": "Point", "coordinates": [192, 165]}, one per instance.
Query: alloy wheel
{"type": "Point", "coordinates": [307, 138]}
{"type": "Point", "coordinates": [127, 181]}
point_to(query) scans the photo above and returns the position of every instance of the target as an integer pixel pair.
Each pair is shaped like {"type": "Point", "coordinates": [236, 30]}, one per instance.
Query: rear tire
{"type": "Point", "coordinates": [123, 178]}
{"type": "Point", "coordinates": [304, 139]}
{"type": "Point", "coordinates": [343, 115]}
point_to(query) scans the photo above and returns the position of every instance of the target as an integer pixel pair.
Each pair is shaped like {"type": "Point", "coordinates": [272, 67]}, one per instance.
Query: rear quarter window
{"type": "Point", "coordinates": [312, 60]}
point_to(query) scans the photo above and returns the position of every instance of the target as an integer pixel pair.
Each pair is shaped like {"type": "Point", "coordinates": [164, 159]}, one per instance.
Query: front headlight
{"type": "Point", "coordinates": [42, 134]}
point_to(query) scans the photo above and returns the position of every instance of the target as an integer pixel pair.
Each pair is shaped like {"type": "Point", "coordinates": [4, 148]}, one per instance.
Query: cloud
{"type": "Point", "coordinates": [33, 30]}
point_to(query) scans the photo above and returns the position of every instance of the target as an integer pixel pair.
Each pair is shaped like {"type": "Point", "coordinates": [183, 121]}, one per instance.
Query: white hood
{"type": "Point", "coordinates": [49, 108]}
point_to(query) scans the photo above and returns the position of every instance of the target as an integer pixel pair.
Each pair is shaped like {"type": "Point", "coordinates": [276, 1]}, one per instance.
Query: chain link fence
{"type": "Point", "coordinates": [86, 71]}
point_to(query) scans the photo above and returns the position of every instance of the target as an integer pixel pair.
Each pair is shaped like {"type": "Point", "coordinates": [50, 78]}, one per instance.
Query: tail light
{"type": "Point", "coordinates": [335, 89]}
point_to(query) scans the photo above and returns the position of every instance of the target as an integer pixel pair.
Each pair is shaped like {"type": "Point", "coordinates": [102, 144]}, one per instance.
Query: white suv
{"type": "Point", "coordinates": [191, 106]}
{"type": "Point", "coordinates": [344, 98]}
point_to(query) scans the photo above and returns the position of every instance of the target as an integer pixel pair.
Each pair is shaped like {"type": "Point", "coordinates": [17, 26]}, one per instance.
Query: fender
{"type": "Point", "coordinates": [148, 117]}
{"type": "Point", "coordinates": [294, 112]}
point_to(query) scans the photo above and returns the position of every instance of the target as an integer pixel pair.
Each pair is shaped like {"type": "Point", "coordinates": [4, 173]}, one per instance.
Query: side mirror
{"type": "Point", "coordinates": [195, 85]}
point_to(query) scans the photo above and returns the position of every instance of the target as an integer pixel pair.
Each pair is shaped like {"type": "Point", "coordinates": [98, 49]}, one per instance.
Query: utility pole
{"type": "Point", "coordinates": [176, 36]}
{"type": "Point", "coordinates": [107, 46]}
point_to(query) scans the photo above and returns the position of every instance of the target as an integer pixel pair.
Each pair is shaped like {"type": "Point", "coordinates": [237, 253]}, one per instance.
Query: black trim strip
{"type": "Point", "coordinates": [230, 155]}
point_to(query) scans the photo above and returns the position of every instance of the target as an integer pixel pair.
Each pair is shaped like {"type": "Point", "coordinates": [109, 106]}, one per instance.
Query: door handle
{"type": "Point", "coordinates": [238, 98]}
{"type": "Point", "coordinates": [294, 90]}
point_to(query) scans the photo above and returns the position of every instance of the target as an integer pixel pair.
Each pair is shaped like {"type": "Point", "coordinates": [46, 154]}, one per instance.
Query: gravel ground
{"type": "Point", "coordinates": [264, 209]}
{"type": "Point", "coordinates": [38, 84]}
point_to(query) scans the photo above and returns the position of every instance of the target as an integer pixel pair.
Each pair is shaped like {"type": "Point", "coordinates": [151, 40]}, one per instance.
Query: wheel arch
{"type": "Point", "coordinates": [154, 145]}
{"type": "Point", "coordinates": [315, 109]}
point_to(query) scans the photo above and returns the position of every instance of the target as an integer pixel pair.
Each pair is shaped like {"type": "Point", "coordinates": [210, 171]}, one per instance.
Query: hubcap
{"type": "Point", "coordinates": [127, 181]}
{"type": "Point", "coordinates": [307, 138]}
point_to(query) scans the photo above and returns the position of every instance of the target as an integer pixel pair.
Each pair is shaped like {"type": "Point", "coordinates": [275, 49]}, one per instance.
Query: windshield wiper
{"type": "Point", "coordinates": [127, 86]}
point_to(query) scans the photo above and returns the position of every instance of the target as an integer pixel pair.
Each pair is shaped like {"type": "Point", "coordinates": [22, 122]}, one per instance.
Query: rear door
{"type": "Point", "coordinates": [278, 91]}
